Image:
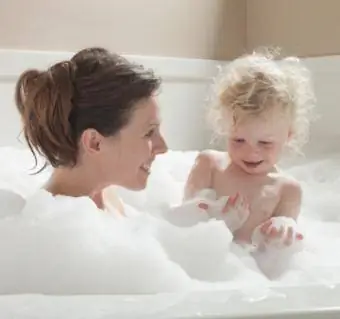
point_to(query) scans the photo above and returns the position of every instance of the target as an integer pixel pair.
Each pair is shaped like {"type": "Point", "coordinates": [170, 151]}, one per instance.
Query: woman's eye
{"type": "Point", "coordinates": [150, 133]}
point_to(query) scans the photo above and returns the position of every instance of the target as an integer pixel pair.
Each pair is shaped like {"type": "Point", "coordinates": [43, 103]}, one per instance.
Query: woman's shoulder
{"type": "Point", "coordinates": [44, 205]}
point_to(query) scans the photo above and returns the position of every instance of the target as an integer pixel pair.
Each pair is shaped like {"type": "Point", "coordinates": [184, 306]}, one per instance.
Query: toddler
{"type": "Point", "coordinates": [262, 105]}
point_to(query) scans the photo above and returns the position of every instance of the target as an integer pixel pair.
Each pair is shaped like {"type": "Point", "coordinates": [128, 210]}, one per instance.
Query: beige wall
{"type": "Point", "coordinates": [212, 29]}
{"type": "Point", "coordinates": [301, 27]}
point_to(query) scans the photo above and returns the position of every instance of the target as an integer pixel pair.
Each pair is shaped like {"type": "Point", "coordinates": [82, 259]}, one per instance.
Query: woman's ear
{"type": "Point", "coordinates": [91, 141]}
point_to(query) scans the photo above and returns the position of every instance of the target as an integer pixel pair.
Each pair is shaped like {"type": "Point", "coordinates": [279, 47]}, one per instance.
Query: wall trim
{"type": "Point", "coordinates": [171, 69]}
{"type": "Point", "coordinates": [13, 62]}
{"type": "Point", "coordinates": [323, 64]}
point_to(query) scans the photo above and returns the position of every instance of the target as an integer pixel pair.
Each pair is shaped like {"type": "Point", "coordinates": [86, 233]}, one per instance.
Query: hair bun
{"type": "Point", "coordinates": [62, 73]}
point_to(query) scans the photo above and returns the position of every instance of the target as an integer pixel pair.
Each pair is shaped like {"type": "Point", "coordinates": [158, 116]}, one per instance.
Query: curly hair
{"type": "Point", "coordinates": [258, 82]}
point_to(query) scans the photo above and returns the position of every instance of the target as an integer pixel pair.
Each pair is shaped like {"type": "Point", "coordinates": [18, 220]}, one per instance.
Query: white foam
{"type": "Point", "coordinates": [65, 246]}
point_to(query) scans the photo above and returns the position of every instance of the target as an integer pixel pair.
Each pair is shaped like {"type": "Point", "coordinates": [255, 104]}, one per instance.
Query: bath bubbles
{"type": "Point", "coordinates": [61, 245]}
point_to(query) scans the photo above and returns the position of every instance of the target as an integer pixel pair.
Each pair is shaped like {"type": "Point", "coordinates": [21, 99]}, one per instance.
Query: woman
{"type": "Point", "coordinates": [95, 119]}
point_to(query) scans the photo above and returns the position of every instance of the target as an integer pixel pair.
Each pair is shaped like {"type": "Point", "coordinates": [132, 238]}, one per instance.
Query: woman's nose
{"type": "Point", "coordinates": [160, 147]}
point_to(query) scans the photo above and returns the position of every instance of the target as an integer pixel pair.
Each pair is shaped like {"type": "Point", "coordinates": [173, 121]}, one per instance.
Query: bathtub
{"type": "Point", "coordinates": [185, 87]}
{"type": "Point", "coordinates": [296, 302]}
{"type": "Point", "coordinates": [317, 299]}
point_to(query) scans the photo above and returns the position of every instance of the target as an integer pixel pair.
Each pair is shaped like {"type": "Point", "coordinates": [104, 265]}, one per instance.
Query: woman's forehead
{"type": "Point", "coordinates": [145, 113]}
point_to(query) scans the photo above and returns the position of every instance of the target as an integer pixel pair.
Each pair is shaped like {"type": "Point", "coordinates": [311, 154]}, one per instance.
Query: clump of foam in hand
{"type": "Point", "coordinates": [234, 217]}
{"type": "Point", "coordinates": [186, 214]}
{"type": "Point", "coordinates": [191, 212]}
{"type": "Point", "coordinates": [273, 255]}
{"type": "Point", "coordinates": [281, 222]}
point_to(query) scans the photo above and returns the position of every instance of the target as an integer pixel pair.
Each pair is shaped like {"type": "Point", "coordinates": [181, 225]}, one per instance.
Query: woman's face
{"type": "Point", "coordinates": [126, 158]}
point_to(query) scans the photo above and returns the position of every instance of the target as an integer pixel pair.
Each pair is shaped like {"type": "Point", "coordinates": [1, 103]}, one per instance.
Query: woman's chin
{"type": "Point", "coordinates": [139, 184]}
{"type": "Point", "coordinates": [137, 187]}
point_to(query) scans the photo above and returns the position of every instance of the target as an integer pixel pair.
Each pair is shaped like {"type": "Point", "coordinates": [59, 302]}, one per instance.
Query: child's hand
{"type": "Point", "coordinates": [278, 233]}
{"type": "Point", "coordinates": [284, 233]}
{"type": "Point", "coordinates": [233, 210]}
{"type": "Point", "coordinates": [236, 212]}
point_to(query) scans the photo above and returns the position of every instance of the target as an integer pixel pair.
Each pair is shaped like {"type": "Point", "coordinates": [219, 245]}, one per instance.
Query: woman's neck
{"type": "Point", "coordinates": [112, 200]}
{"type": "Point", "coordinates": [75, 183]}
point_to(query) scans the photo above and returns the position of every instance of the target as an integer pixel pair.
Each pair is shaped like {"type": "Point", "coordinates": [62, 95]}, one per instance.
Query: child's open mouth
{"type": "Point", "coordinates": [252, 164]}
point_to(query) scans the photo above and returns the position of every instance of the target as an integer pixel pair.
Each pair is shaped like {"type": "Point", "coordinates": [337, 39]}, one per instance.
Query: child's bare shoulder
{"type": "Point", "coordinates": [211, 159]}
{"type": "Point", "coordinates": [289, 185]}
{"type": "Point", "coordinates": [207, 164]}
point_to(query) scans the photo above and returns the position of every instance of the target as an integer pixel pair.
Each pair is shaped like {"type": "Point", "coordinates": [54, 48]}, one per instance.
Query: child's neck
{"type": "Point", "coordinates": [239, 170]}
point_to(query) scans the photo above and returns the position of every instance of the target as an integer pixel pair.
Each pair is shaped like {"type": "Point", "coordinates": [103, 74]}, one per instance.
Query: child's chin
{"type": "Point", "coordinates": [261, 169]}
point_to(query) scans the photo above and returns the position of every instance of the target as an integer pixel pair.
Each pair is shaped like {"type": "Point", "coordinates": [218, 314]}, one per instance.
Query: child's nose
{"type": "Point", "coordinates": [253, 151]}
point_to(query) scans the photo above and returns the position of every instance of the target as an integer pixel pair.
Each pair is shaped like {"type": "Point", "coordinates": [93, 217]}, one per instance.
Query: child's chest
{"type": "Point", "coordinates": [262, 194]}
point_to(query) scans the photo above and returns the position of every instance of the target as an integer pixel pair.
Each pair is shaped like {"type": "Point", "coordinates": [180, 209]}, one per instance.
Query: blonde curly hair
{"type": "Point", "coordinates": [258, 82]}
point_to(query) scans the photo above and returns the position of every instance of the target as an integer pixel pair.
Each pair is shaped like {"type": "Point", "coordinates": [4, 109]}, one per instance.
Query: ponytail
{"type": "Point", "coordinates": [44, 101]}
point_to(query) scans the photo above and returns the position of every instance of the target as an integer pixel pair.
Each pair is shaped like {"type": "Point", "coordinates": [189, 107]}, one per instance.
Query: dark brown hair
{"type": "Point", "coordinates": [95, 89]}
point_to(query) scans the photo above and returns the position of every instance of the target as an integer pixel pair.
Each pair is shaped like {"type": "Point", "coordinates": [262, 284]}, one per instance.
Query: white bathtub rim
{"type": "Point", "coordinates": [186, 305]}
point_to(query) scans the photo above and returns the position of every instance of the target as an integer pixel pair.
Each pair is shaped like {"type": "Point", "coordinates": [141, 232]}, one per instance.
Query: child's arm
{"type": "Point", "coordinates": [194, 210]}
{"type": "Point", "coordinates": [290, 202]}
{"type": "Point", "coordinates": [279, 228]}
{"type": "Point", "coordinates": [234, 211]}
{"type": "Point", "coordinates": [201, 174]}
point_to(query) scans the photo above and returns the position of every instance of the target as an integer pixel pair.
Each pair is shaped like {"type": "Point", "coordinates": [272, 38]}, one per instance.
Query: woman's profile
{"type": "Point", "coordinates": [95, 120]}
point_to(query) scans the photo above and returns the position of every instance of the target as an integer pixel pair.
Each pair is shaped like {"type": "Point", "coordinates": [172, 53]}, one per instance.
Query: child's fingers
{"type": "Point", "coordinates": [226, 208]}
{"type": "Point", "coordinates": [245, 212]}
{"type": "Point", "coordinates": [265, 227]}
{"type": "Point", "coordinates": [299, 236]}
{"type": "Point", "coordinates": [289, 237]}
{"type": "Point", "coordinates": [280, 232]}
{"type": "Point", "coordinates": [233, 200]}
{"type": "Point", "coordinates": [230, 203]}
{"type": "Point", "coordinates": [273, 232]}
{"type": "Point", "coordinates": [241, 202]}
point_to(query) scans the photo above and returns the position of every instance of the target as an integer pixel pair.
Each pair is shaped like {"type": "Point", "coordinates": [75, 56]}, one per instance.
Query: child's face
{"type": "Point", "coordinates": [256, 143]}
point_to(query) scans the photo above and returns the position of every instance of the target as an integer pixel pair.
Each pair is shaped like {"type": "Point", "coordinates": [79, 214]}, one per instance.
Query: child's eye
{"type": "Point", "coordinates": [265, 142]}
{"type": "Point", "coordinates": [239, 140]}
